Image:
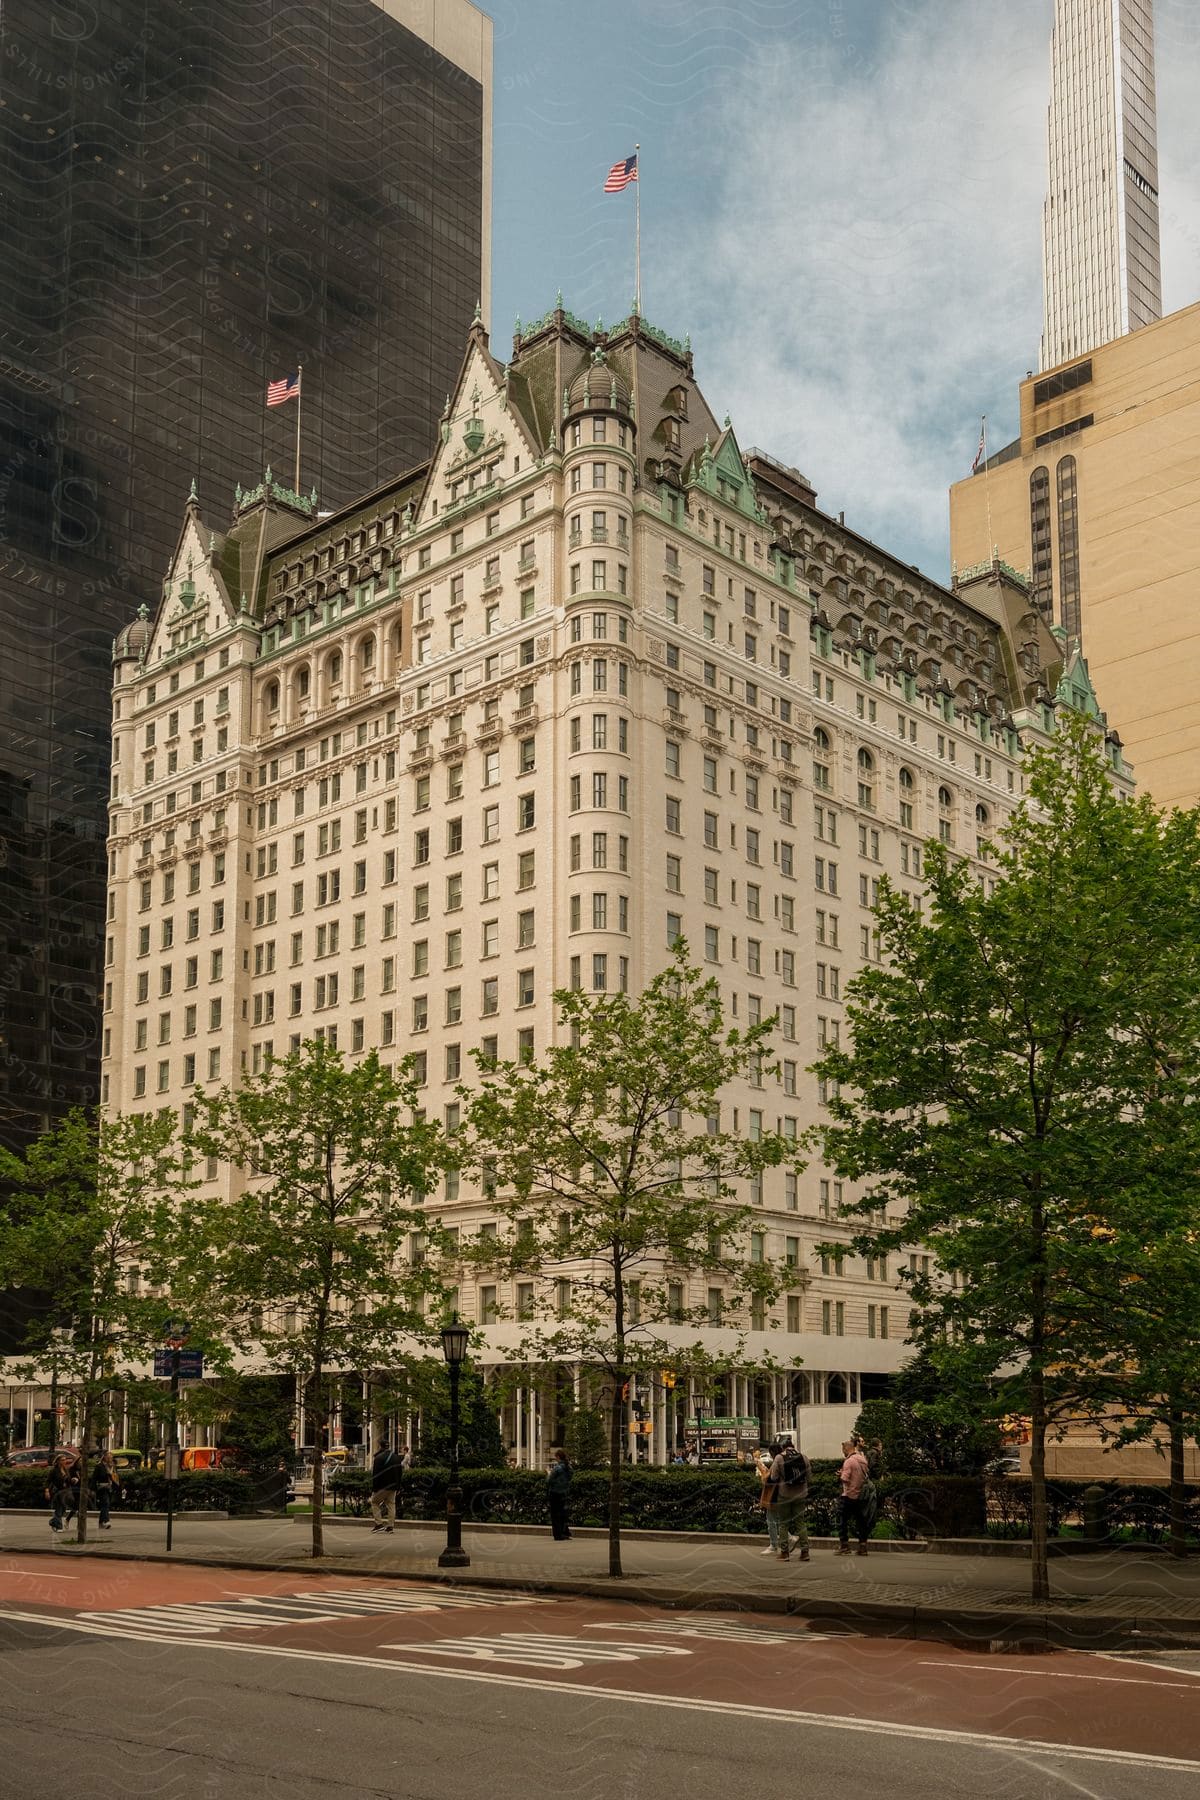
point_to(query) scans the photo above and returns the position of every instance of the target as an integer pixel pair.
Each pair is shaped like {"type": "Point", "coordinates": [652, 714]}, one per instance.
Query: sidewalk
{"type": "Point", "coordinates": [1106, 1600]}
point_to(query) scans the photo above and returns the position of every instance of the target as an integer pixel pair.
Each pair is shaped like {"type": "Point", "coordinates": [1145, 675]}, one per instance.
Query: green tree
{"type": "Point", "coordinates": [479, 1441]}
{"type": "Point", "coordinates": [1147, 1387]}
{"type": "Point", "coordinates": [94, 1219]}
{"type": "Point", "coordinates": [320, 1263]}
{"type": "Point", "coordinates": [615, 1184]}
{"type": "Point", "coordinates": [999, 1101]}
{"type": "Point", "coordinates": [935, 1421]}
{"type": "Point", "coordinates": [584, 1437]}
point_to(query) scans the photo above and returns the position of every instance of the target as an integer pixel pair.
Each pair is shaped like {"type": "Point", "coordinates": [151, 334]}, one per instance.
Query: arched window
{"type": "Point", "coordinates": [866, 783]}
{"type": "Point", "coordinates": [981, 816]}
{"type": "Point", "coordinates": [366, 655]}
{"type": "Point", "coordinates": [821, 778]}
{"type": "Point", "coordinates": [303, 683]}
{"type": "Point", "coordinates": [907, 788]}
{"type": "Point", "coordinates": [271, 697]}
{"type": "Point", "coordinates": [945, 815]}
{"type": "Point", "coordinates": [333, 668]}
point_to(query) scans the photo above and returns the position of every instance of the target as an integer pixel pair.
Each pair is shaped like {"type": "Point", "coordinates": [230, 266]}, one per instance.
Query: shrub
{"type": "Point", "coordinates": [143, 1490]}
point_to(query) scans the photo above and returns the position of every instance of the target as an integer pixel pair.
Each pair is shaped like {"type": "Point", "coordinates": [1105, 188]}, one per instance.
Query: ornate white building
{"type": "Point", "coordinates": [1100, 237]}
{"type": "Point", "coordinates": [590, 677]}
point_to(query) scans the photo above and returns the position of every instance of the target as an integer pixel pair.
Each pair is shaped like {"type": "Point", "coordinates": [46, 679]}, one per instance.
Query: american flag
{"type": "Point", "coordinates": [981, 453]}
{"type": "Point", "coordinates": [621, 174]}
{"type": "Point", "coordinates": [279, 391]}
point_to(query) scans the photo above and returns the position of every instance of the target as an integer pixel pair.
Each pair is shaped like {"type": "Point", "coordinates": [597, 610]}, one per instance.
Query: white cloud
{"type": "Point", "coordinates": [864, 278]}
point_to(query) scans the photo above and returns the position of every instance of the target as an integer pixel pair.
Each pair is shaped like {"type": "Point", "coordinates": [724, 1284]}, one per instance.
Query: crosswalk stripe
{"type": "Point", "coordinates": [311, 1606]}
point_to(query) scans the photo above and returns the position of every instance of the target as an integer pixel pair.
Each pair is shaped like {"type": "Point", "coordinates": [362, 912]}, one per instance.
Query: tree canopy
{"type": "Point", "coordinates": [615, 1176]}
{"type": "Point", "coordinates": [322, 1264]}
{"type": "Point", "coordinates": [1018, 1092]}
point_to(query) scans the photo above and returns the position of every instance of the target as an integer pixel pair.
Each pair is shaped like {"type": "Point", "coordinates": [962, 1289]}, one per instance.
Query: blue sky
{"type": "Point", "coordinates": [841, 201]}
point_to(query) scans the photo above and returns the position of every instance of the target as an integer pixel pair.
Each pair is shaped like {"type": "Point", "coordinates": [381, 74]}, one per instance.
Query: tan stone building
{"type": "Point", "coordinates": [590, 678]}
{"type": "Point", "coordinates": [1098, 504]}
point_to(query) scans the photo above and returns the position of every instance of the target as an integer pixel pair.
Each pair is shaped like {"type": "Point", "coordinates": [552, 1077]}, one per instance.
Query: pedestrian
{"type": "Point", "coordinates": [854, 1476]}
{"type": "Point", "coordinates": [387, 1472]}
{"type": "Point", "coordinates": [558, 1486]}
{"type": "Point", "coordinates": [62, 1491]}
{"type": "Point", "coordinates": [105, 1482]}
{"type": "Point", "coordinates": [783, 1471]}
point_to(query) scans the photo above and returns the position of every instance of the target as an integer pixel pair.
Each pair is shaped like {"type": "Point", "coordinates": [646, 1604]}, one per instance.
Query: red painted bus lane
{"type": "Point", "coordinates": [638, 1654]}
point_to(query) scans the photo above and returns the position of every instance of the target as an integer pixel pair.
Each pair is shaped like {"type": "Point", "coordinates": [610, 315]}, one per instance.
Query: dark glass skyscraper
{"type": "Point", "coordinates": [195, 196]}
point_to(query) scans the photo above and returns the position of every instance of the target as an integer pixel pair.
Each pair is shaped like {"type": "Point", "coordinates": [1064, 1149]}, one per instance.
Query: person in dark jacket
{"type": "Point", "coordinates": [62, 1491]}
{"type": "Point", "coordinates": [105, 1483]}
{"type": "Point", "coordinates": [558, 1484]}
{"type": "Point", "coordinates": [387, 1472]}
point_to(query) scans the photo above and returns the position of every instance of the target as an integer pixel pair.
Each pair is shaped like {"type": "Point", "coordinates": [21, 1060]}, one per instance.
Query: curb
{"type": "Point", "coordinates": [985, 1627]}
{"type": "Point", "coordinates": [629, 1535]}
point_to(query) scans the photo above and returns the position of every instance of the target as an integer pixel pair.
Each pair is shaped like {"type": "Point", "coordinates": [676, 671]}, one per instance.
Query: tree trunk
{"type": "Point", "coordinates": [319, 1410]}
{"type": "Point", "coordinates": [1178, 1540]}
{"type": "Point", "coordinates": [615, 1447]}
{"type": "Point", "coordinates": [1040, 1567]}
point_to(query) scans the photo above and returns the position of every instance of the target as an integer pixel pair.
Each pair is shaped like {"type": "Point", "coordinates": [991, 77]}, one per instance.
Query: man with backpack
{"type": "Point", "coordinates": [387, 1472]}
{"type": "Point", "coordinates": [786, 1490]}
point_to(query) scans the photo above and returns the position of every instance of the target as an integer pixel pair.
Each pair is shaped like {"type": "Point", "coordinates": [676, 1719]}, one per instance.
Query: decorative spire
{"type": "Point", "coordinates": [558, 301]}
{"type": "Point", "coordinates": [143, 612]}
{"type": "Point", "coordinates": [478, 320]}
{"type": "Point", "coordinates": [193, 496]}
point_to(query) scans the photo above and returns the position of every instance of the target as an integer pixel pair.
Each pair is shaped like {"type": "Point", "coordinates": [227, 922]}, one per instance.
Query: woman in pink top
{"type": "Point", "coordinates": [854, 1476]}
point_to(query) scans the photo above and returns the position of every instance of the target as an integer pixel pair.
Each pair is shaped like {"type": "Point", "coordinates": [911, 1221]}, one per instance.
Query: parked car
{"type": "Point", "coordinates": [37, 1456]}
{"type": "Point", "coordinates": [126, 1459]}
{"type": "Point", "coordinates": [1005, 1465]}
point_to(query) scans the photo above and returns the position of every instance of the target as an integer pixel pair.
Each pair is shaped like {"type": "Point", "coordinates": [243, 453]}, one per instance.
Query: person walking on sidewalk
{"type": "Point", "coordinates": [854, 1477]}
{"type": "Point", "coordinates": [387, 1472]}
{"type": "Point", "coordinates": [62, 1491]}
{"type": "Point", "coordinates": [789, 1473]}
{"type": "Point", "coordinates": [783, 1472]}
{"type": "Point", "coordinates": [105, 1482]}
{"type": "Point", "coordinates": [558, 1486]}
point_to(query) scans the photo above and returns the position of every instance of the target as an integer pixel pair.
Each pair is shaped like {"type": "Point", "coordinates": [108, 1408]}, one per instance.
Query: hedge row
{"type": "Point", "coordinates": [145, 1490]}
{"type": "Point", "coordinates": [674, 1499]}
{"type": "Point", "coordinates": [661, 1499]}
{"type": "Point", "coordinates": [926, 1506]}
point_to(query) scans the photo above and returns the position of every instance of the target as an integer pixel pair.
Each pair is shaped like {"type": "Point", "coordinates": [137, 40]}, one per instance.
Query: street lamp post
{"type": "Point", "coordinates": [59, 1336]}
{"type": "Point", "coordinates": [699, 1432]}
{"type": "Point", "coordinates": [454, 1349]}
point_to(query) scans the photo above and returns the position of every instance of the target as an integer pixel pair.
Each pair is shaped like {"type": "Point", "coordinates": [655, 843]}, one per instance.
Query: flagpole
{"type": "Point", "coordinates": [637, 277]}
{"type": "Point", "coordinates": [987, 486]}
{"type": "Point", "coordinates": [299, 404]}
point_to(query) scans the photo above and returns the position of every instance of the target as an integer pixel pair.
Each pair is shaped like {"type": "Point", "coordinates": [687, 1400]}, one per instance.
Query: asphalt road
{"type": "Point", "coordinates": [128, 1678]}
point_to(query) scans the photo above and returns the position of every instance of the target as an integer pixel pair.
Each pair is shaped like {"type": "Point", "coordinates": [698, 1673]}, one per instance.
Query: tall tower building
{"type": "Point", "coordinates": [195, 196]}
{"type": "Point", "coordinates": [1100, 239]}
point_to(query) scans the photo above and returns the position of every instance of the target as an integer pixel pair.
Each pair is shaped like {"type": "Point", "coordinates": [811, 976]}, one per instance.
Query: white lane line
{"type": "Point", "coordinates": [1145, 1663]}
{"type": "Point", "coordinates": [1005, 1746]}
{"type": "Point", "coordinates": [1054, 1674]}
{"type": "Point", "coordinates": [36, 1575]}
